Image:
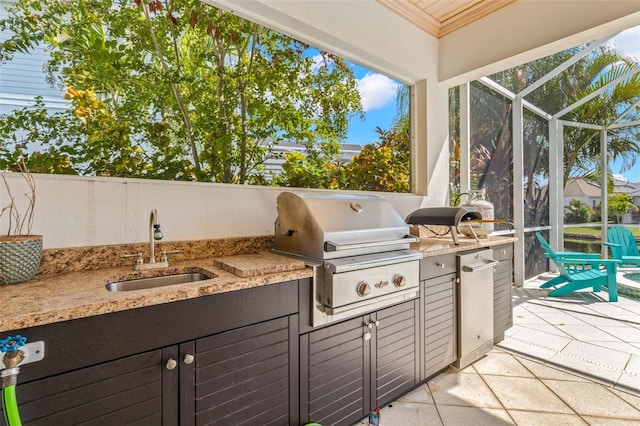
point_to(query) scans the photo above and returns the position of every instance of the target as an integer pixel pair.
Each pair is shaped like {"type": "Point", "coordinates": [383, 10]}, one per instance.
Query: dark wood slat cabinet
{"type": "Point", "coordinates": [126, 391]}
{"type": "Point", "coordinates": [438, 275]}
{"type": "Point", "coordinates": [227, 359]}
{"type": "Point", "coordinates": [349, 368]}
{"type": "Point", "coordinates": [502, 291]}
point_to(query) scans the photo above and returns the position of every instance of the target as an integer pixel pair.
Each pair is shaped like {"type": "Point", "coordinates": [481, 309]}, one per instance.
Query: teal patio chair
{"type": "Point", "coordinates": [623, 245]}
{"type": "Point", "coordinates": [581, 270]}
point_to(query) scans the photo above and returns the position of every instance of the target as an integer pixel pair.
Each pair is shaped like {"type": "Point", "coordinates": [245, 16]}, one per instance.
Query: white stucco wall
{"type": "Point", "coordinates": [74, 211]}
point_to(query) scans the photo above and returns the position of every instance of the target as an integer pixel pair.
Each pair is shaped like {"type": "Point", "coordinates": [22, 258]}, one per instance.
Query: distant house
{"type": "Point", "coordinates": [582, 190]}
{"type": "Point", "coordinates": [623, 186]}
{"type": "Point", "coordinates": [589, 193]}
{"type": "Point", "coordinates": [23, 78]}
{"type": "Point", "coordinates": [273, 165]}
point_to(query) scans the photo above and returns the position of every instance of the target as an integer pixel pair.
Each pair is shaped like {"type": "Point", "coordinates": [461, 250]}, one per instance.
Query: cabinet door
{"type": "Point", "coordinates": [396, 367]}
{"type": "Point", "coordinates": [335, 373]}
{"type": "Point", "coordinates": [239, 377]}
{"type": "Point", "coordinates": [502, 299]}
{"type": "Point", "coordinates": [123, 392]}
{"type": "Point", "coordinates": [439, 323]}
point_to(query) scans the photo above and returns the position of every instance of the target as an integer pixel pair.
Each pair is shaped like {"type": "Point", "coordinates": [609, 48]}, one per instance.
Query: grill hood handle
{"type": "Point", "coordinates": [330, 246]}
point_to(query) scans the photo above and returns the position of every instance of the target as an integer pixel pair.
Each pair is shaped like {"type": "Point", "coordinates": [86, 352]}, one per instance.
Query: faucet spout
{"type": "Point", "coordinates": [154, 234]}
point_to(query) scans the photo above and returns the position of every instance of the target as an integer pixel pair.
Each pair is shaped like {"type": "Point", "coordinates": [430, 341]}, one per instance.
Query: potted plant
{"type": "Point", "coordinates": [20, 251]}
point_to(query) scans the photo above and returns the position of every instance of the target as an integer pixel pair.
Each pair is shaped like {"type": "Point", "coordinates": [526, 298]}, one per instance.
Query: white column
{"type": "Point", "coordinates": [518, 191]}
{"type": "Point", "coordinates": [604, 168]}
{"type": "Point", "coordinates": [465, 138]}
{"type": "Point", "coordinates": [556, 185]}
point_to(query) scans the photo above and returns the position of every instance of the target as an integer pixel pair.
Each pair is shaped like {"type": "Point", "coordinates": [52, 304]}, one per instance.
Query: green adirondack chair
{"type": "Point", "coordinates": [623, 245]}
{"type": "Point", "coordinates": [581, 270]}
{"type": "Point", "coordinates": [549, 252]}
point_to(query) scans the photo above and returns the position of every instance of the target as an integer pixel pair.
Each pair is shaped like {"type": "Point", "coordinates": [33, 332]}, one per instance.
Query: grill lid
{"type": "Point", "coordinates": [327, 226]}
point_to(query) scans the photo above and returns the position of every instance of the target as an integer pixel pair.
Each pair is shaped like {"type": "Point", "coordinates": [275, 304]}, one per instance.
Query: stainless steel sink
{"type": "Point", "coordinates": [153, 282]}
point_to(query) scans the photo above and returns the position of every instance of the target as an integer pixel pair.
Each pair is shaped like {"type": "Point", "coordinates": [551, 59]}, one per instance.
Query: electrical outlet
{"type": "Point", "coordinates": [33, 352]}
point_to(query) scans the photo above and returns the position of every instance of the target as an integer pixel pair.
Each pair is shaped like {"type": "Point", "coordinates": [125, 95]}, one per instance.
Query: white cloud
{"type": "Point", "coordinates": [629, 42]}
{"type": "Point", "coordinates": [619, 176]}
{"type": "Point", "coordinates": [376, 91]}
{"type": "Point", "coordinates": [316, 62]}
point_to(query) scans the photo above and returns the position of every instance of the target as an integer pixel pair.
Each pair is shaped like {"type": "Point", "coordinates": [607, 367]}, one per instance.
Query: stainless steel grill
{"type": "Point", "coordinates": [358, 246]}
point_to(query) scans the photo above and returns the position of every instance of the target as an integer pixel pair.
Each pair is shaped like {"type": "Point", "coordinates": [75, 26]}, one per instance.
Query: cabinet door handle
{"type": "Point", "coordinates": [372, 324]}
{"type": "Point", "coordinates": [367, 336]}
{"type": "Point", "coordinates": [188, 359]}
{"type": "Point", "coordinates": [171, 364]}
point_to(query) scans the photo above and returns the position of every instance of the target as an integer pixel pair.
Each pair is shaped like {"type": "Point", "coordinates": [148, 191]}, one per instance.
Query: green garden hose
{"type": "Point", "coordinates": [10, 406]}
{"type": "Point", "coordinates": [12, 357]}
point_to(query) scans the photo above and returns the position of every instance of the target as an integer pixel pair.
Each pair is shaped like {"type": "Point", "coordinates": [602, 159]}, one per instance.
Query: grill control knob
{"type": "Point", "coordinates": [399, 280]}
{"type": "Point", "coordinates": [363, 288]}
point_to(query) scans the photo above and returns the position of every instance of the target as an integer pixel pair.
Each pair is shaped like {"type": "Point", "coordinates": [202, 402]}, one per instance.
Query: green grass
{"type": "Point", "coordinates": [595, 230]}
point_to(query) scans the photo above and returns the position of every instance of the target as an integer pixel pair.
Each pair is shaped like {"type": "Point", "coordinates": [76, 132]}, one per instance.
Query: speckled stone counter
{"type": "Point", "coordinates": [68, 292]}
{"type": "Point", "coordinates": [434, 246]}
{"type": "Point", "coordinates": [60, 297]}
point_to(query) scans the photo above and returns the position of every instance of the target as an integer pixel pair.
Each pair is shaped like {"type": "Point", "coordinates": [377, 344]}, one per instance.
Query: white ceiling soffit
{"type": "Point", "coordinates": [441, 17]}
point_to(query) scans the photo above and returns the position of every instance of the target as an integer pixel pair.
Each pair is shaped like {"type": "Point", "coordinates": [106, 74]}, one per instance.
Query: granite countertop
{"type": "Point", "coordinates": [60, 297]}
{"type": "Point", "coordinates": [434, 246]}
{"type": "Point", "coordinates": [56, 297]}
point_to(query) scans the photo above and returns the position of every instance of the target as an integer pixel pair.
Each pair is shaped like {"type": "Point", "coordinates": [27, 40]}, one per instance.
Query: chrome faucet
{"type": "Point", "coordinates": [154, 234]}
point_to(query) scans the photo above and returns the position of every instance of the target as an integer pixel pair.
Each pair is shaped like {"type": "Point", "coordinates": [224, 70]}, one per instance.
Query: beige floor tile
{"type": "Point", "coordinates": [592, 399]}
{"type": "Point", "coordinates": [536, 418]}
{"type": "Point", "coordinates": [632, 399]}
{"type": "Point", "coordinates": [588, 333]}
{"type": "Point", "coordinates": [539, 308]}
{"type": "Point", "coordinates": [591, 369]}
{"type": "Point", "coordinates": [612, 310]}
{"type": "Point", "coordinates": [409, 414]}
{"type": "Point", "coordinates": [633, 366]}
{"type": "Point", "coordinates": [542, 371]}
{"type": "Point", "coordinates": [549, 329]}
{"type": "Point", "coordinates": [523, 393]}
{"type": "Point", "coordinates": [608, 421]}
{"type": "Point", "coordinates": [421, 395]}
{"type": "Point", "coordinates": [598, 320]}
{"type": "Point", "coordinates": [627, 348]}
{"type": "Point", "coordinates": [560, 318]}
{"type": "Point", "coordinates": [522, 317]}
{"type": "Point", "coordinates": [473, 416]}
{"type": "Point", "coordinates": [462, 389]}
{"type": "Point", "coordinates": [625, 333]}
{"type": "Point", "coordinates": [629, 381]}
{"type": "Point", "coordinates": [513, 343]}
{"type": "Point", "coordinates": [501, 364]}
{"type": "Point", "coordinates": [541, 338]}
{"type": "Point", "coordinates": [598, 354]}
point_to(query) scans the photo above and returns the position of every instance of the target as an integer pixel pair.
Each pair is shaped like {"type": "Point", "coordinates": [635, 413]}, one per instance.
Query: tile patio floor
{"type": "Point", "coordinates": [573, 360]}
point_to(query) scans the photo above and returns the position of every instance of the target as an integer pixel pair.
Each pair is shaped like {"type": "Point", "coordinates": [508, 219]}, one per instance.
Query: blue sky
{"type": "Point", "coordinates": [629, 42]}
{"type": "Point", "coordinates": [378, 98]}
{"type": "Point", "coordinates": [378, 95]}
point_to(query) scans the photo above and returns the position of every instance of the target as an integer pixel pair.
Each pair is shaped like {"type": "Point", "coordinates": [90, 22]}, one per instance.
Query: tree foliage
{"type": "Point", "coordinates": [578, 212]}
{"type": "Point", "coordinates": [170, 90]}
{"type": "Point", "coordinates": [380, 166]}
{"type": "Point", "coordinates": [619, 205]}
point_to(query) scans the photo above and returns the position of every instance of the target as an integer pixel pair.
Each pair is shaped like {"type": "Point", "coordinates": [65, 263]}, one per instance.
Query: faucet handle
{"type": "Point", "coordinates": [164, 254]}
{"type": "Point", "coordinates": [138, 256]}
